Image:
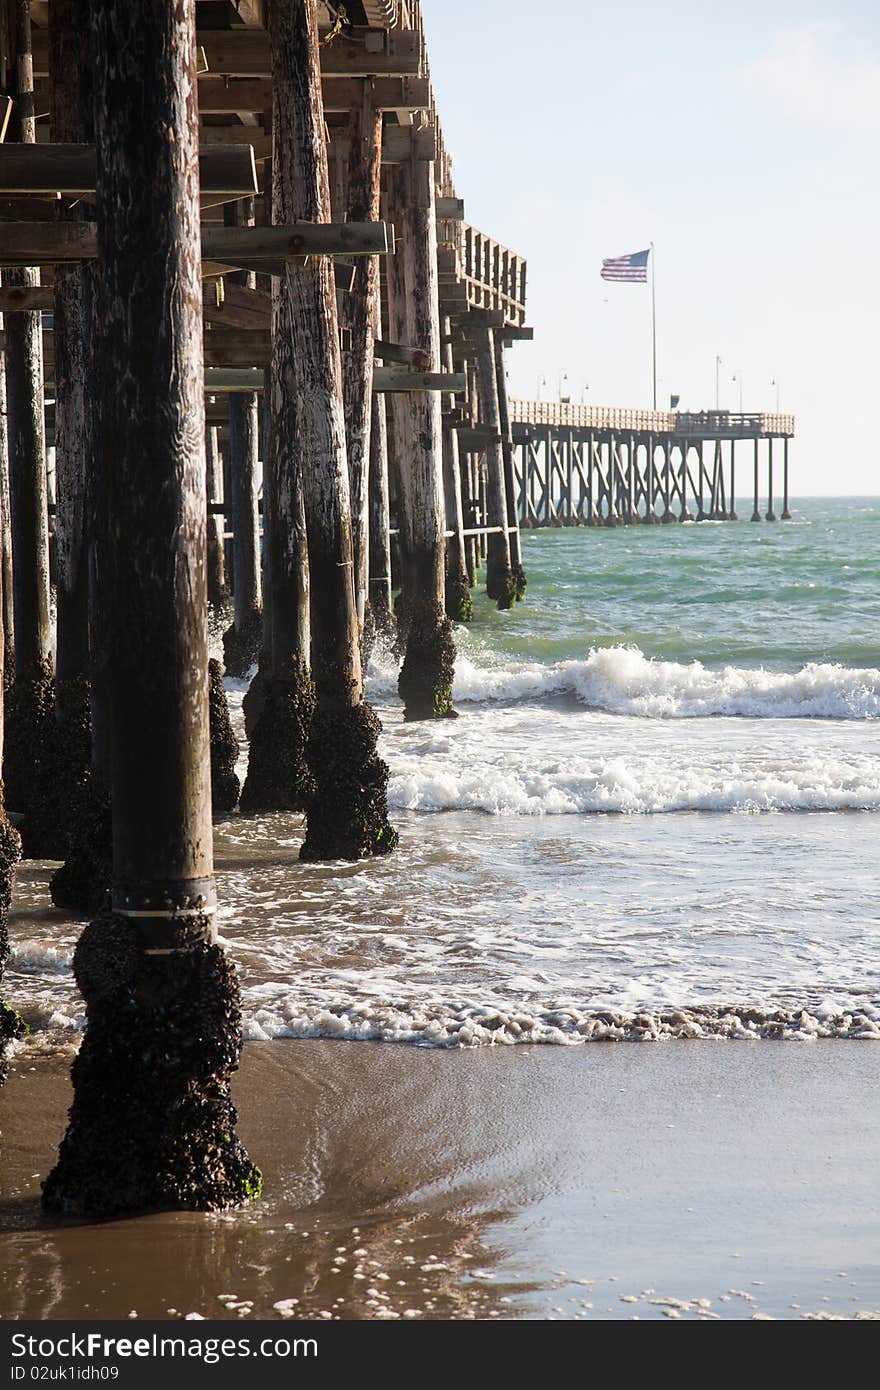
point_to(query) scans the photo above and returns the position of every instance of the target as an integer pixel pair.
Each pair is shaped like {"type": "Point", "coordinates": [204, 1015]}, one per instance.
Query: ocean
{"type": "Point", "coordinates": [656, 816]}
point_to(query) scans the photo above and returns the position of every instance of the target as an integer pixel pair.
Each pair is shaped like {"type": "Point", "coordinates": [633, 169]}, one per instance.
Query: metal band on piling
{"type": "Point", "coordinates": [169, 915]}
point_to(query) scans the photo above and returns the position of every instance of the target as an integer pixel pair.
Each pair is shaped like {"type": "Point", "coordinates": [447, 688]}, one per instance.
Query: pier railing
{"type": "Point", "coordinates": [483, 273]}
{"type": "Point", "coordinates": [725, 424]}
{"type": "Point", "coordinates": [706, 424]}
{"type": "Point", "coordinates": [564, 414]}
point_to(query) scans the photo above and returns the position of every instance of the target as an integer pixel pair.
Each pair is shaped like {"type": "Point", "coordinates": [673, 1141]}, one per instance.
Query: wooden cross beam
{"type": "Point", "coordinates": [15, 299]}
{"type": "Point", "coordinates": [28, 207]}
{"type": "Point", "coordinates": [400, 143]}
{"type": "Point", "coordinates": [218, 95]}
{"type": "Point", "coordinates": [398, 352]}
{"type": "Point", "coordinates": [224, 380]}
{"type": "Point", "coordinates": [450, 209]}
{"type": "Point", "coordinates": [387, 379]}
{"type": "Point", "coordinates": [473, 439]}
{"type": "Point", "coordinates": [235, 306]}
{"type": "Point", "coordinates": [224, 169]}
{"type": "Point", "coordinates": [45, 243]}
{"type": "Point", "coordinates": [239, 336]}
{"type": "Point", "coordinates": [246, 53]}
{"type": "Point", "coordinates": [247, 347]}
{"type": "Point", "coordinates": [299, 239]}
{"type": "Point", "coordinates": [482, 318]}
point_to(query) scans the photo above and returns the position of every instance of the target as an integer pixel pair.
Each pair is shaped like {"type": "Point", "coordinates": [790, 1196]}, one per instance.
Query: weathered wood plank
{"type": "Point", "coordinates": [217, 95]}
{"type": "Point", "coordinates": [392, 379]}
{"type": "Point", "coordinates": [450, 209]}
{"type": "Point", "coordinates": [224, 347]}
{"type": "Point", "coordinates": [298, 239]}
{"type": "Point", "coordinates": [16, 299]}
{"type": "Point", "coordinates": [71, 169]}
{"type": "Point", "coordinates": [45, 243]}
{"type": "Point", "coordinates": [473, 439]}
{"type": "Point", "coordinates": [27, 208]}
{"type": "Point", "coordinates": [243, 348]}
{"type": "Point", "coordinates": [247, 53]}
{"type": "Point", "coordinates": [236, 306]}
{"type": "Point", "coordinates": [401, 143]}
{"type": "Point", "coordinates": [399, 352]}
{"type": "Point", "coordinates": [219, 381]}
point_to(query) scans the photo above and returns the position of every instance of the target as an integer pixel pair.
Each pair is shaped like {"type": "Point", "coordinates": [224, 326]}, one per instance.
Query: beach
{"type": "Point", "coordinates": [602, 1023]}
{"type": "Point", "coordinates": [671, 1180]}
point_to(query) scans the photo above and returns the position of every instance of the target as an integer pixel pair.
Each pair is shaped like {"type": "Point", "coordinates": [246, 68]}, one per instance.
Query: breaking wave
{"type": "Point", "coordinates": [635, 784]}
{"type": "Point", "coordinates": [622, 680]}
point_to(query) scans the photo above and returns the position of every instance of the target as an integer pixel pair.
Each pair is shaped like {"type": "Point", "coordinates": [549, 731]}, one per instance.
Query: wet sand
{"type": "Point", "coordinates": [529, 1182]}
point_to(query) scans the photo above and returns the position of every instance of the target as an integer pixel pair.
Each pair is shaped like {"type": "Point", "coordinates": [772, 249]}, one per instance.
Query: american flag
{"type": "Point", "coordinates": [632, 267]}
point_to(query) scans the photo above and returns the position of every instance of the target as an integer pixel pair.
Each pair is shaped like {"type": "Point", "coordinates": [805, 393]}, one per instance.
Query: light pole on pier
{"type": "Point", "coordinates": [775, 383]}
{"type": "Point", "coordinates": [738, 378]}
{"type": "Point", "coordinates": [717, 382]}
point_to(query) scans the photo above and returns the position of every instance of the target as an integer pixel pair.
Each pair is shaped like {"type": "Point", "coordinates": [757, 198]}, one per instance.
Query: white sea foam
{"type": "Point", "coordinates": [445, 1025]}
{"type": "Point", "coordinates": [36, 958]}
{"type": "Point", "coordinates": [622, 680]}
{"type": "Point", "coordinates": [539, 777]}
{"type": "Point", "coordinates": [435, 1024]}
{"type": "Point", "coordinates": [622, 788]}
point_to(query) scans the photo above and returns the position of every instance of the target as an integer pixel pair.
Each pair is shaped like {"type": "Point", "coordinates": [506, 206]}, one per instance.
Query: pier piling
{"type": "Point", "coordinates": [218, 594]}
{"type": "Point", "coordinates": [5, 536]}
{"type": "Point", "coordinates": [30, 708]}
{"type": "Point", "coordinates": [361, 317]}
{"type": "Point", "coordinates": [425, 680]}
{"type": "Point", "coordinates": [459, 604]}
{"type": "Point", "coordinates": [756, 506]}
{"type": "Point", "coordinates": [516, 565]}
{"type": "Point", "coordinates": [500, 584]}
{"type": "Point", "coordinates": [347, 813]}
{"type": "Point", "coordinates": [380, 523]}
{"type": "Point", "coordinates": [152, 1124]}
{"type": "Point", "coordinates": [11, 1026]}
{"type": "Point", "coordinates": [241, 641]}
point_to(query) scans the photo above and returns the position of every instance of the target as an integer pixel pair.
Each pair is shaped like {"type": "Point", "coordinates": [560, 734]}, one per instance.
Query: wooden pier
{"type": "Point", "coordinates": [579, 465]}
{"type": "Point", "coordinates": [239, 297]}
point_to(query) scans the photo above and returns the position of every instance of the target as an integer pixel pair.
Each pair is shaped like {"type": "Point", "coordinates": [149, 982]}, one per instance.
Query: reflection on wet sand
{"type": "Point", "coordinates": [348, 1228]}
{"type": "Point", "coordinates": [690, 1180]}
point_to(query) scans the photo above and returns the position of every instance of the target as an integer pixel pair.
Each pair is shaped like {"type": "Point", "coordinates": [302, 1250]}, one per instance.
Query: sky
{"type": "Point", "coordinates": [743, 142]}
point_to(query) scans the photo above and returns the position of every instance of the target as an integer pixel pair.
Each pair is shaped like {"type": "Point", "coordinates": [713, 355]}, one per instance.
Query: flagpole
{"type": "Point", "coordinates": [654, 323]}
